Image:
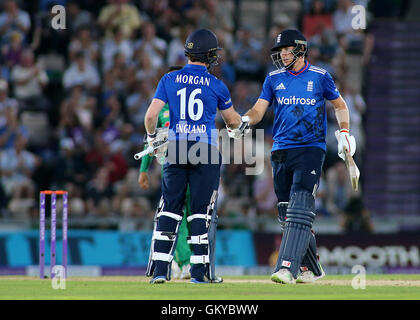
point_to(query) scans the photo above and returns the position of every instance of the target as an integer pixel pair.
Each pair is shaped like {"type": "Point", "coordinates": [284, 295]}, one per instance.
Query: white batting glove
{"type": "Point", "coordinates": [241, 131]}
{"type": "Point", "coordinates": [151, 138]}
{"type": "Point", "coordinates": [346, 143]}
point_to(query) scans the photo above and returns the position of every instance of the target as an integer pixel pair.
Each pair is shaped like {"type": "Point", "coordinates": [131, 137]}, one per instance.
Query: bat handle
{"type": "Point", "coordinates": [140, 155]}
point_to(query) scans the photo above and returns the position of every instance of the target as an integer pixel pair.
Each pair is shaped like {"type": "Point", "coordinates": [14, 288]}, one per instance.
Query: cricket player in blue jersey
{"type": "Point", "coordinates": [194, 95]}
{"type": "Point", "coordinates": [297, 91]}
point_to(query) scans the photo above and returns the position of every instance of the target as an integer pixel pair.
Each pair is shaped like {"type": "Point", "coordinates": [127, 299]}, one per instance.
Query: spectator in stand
{"type": "Point", "coordinates": [17, 166]}
{"type": "Point", "coordinates": [99, 193]}
{"type": "Point", "coordinates": [46, 39]}
{"type": "Point", "coordinates": [120, 13]}
{"type": "Point", "coordinates": [326, 41]}
{"type": "Point", "coordinates": [111, 46]}
{"type": "Point", "coordinates": [120, 75]}
{"type": "Point", "coordinates": [338, 189]}
{"type": "Point", "coordinates": [77, 18]}
{"type": "Point", "coordinates": [246, 54]}
{"type": "Point", "coordinates": [217, 17]}
{"type": "Point", "coordinates": [350, 40]}
{"type": "Point", "coordinates": [12, 51]}
{"type": "Point", "coordinates": [317, 18]}
{"type": "Point", "coordinates": [83, 42]}
{"type": "Point", "coordinates": [153, 46]}
{"type": "Point", "coordinates": [164, 18]}
{"type": "Point", "coordinates": [138, 102]}
{"type": "Point", "coordinates": [82, 73]}
{"type": "Point", "coordinates": [144, 69]}
{"type": "Point", "coordinates": [29, 81]}
{"type": "Point", "coordinates": [80, 105]}
{"type": "Point", "coordinates": [71, 168]}
{"type": "Point", "coordinates": [13, 19]}
{"type": "Point", "coordinates": [12, 129]}
{"type": "Point", "coordinates": [5, 102]}
{"type": "Point", "coordinates": [176, 51]}
{"type": "Point", "coordinates": [315, 58]}
{"type": "Point", "coordinates": [356, 217]}
{"type": "Point", "coordinates": [242, 98]}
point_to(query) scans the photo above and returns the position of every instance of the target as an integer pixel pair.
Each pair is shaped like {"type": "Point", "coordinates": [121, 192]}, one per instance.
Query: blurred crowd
{"type": "Point", "coordinates": [72, 101]}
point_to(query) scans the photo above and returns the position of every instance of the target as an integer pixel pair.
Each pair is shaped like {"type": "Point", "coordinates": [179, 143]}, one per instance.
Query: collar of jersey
{"type": "Point", "coordinates": [293, 73]}
{"type": "Point", "coordinates": [195, 66]}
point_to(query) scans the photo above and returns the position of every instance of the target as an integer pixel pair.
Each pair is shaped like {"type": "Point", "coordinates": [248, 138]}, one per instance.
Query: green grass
{"type": "Point", "coordinates": [137, 288]}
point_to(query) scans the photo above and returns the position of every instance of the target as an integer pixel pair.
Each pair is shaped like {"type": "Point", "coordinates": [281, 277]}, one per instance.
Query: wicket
{"type": "Point", "coordinates": [53, 194]}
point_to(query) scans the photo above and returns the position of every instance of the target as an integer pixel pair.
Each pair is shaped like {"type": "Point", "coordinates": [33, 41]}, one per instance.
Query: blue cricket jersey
{"type": "Point", "coordinates": [193, 96]}
{"type": "Point", "coordinates": [298, 99]}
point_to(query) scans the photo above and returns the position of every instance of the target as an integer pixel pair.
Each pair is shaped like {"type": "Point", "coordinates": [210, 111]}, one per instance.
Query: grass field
{"type": "Point", "coordinates": [378, 287]}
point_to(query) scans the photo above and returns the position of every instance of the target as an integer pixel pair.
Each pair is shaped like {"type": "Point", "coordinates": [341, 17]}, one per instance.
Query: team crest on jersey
{"type": "Point", "coordinates": [190, 45]}
{"type": "Point", "coordinates": [166, 114]}
{"type": "Point", "coordinates": [310, 86]}
{"type": "Point", "coordinates": [281, 86]}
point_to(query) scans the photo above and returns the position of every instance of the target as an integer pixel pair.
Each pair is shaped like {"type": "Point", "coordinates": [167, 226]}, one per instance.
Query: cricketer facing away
{"type": "Point", "coordinates": [296, 91]}
{"type": "Point", "coordinates": [193, 96]}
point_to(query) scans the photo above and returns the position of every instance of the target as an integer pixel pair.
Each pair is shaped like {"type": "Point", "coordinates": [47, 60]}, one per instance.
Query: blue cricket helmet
{"type": "Point", "coordinates": [202, 46]}
{"type": "Point", "coordinates": [289, 38]}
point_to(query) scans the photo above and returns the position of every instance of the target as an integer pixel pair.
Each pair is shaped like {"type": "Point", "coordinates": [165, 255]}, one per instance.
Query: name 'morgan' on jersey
{"type": "Point", "coordinates": [298, 99]}
{"type": "Point", "coordinates": [193, 96]}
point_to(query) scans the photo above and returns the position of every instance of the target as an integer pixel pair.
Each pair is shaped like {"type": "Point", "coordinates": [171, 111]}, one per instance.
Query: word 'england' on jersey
{"type": "Point", "coordinates": [190, 128]}
{"type": "Point", "coordinates": [189, 79]}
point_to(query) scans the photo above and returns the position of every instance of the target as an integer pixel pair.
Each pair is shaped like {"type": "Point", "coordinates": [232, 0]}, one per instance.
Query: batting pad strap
{"type": "Point", "coordinates": [200, 259]}
{"type": "Point", "coordinates": [197, 216]}
{"type": "Point", "coordinates": [164, 235]}
{"type": "Point", "coordinates": [201, 239]}
{"type": "Point", "coordinates": [174, 216]}
{"type": "Point", "coordinates": [162, 256]}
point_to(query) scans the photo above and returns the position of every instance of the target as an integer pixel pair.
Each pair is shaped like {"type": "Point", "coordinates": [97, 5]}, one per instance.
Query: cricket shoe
{"type": "Point", "coordinates": [194, 280]}
{"type": "Point", "coordinates": [158, 279]}
{"type": "Point", "coordinates": [215, 280]}
{"type": "Point", "coordinates": [185, 272]}
{"type": "Point", "coordinates": [283, 276]}
{"type": "Point", "coordinates": [175, 270]}
{"type": "Point", "coordinates": [307, 276]}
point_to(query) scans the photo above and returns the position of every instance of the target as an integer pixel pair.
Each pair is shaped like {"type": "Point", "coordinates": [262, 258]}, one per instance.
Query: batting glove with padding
{"type": "Point", "coordinates": [346, 143]}
{"type": "Point", "coordinates": [240, 131]}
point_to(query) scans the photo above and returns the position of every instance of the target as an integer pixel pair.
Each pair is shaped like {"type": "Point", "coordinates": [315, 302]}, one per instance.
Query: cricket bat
{"type": "Point", "coordinates": [141, 154]}
{"type": "Point", "coordinates": [352, 168]}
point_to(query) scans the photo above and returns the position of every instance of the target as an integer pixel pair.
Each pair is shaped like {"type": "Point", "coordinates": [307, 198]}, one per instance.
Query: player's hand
{"type": "Point", "coordinates": [241, 131]}
{"type": "Point", "coordinates": [151, 140]}
{"type": "Point", "coordinates": [346, 143]}
{"type": "Point", "coordinates": [144, 180]}
{"type": "Point", "coordinates": [156, 141]}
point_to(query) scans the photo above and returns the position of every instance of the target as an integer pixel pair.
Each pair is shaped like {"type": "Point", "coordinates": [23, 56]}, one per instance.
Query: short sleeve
{"type": "Point", "coordinates": [330, 91]}
{"type": "Point", "coordinates": [161, 91]}
{"type": "Point", "coordinates": [224, 99]}
{"type": "Point", "coordinates": [267, 91]}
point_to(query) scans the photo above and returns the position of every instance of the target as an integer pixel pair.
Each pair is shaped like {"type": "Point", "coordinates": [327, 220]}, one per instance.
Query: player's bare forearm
{"type": "Point", "coordinates": [151, 117]}
{"type": "Point", "coordinates": [341, 113]}
{"type": "Point", "coordinates": [231, 117]}
{"type": "Point", "coordinates": [256, 113]}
